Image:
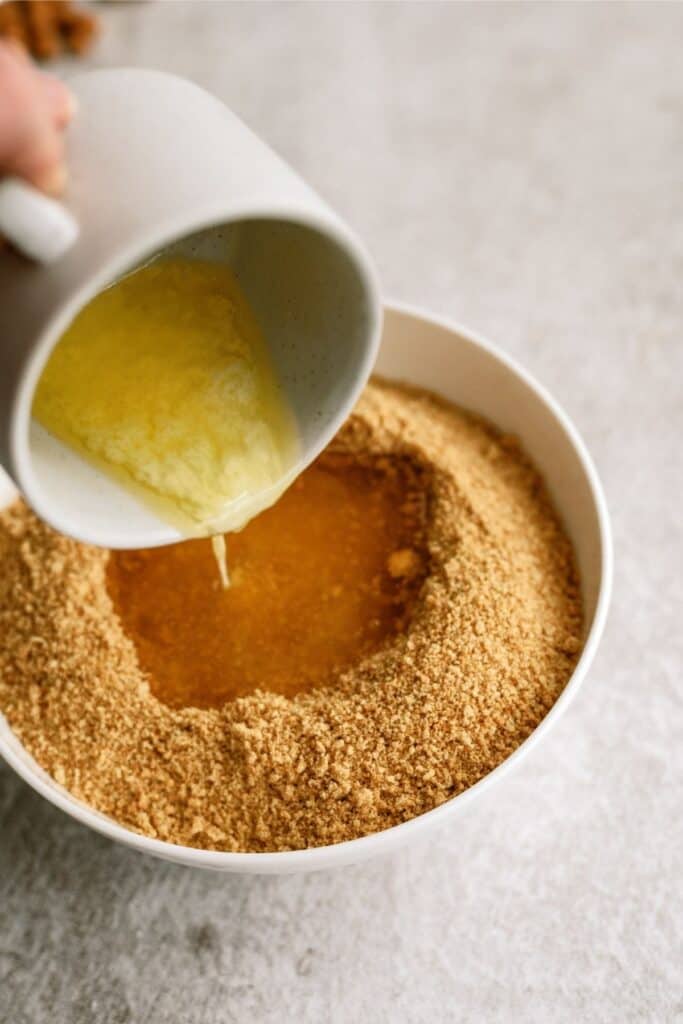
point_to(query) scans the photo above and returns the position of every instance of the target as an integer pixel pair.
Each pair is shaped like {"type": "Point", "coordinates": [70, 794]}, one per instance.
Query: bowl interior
{"type": "Point", "coordinates": [470, 373]}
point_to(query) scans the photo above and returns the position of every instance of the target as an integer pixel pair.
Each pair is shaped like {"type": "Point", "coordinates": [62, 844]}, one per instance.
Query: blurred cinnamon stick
{"type": "Point", "coordinates": [46, 28]}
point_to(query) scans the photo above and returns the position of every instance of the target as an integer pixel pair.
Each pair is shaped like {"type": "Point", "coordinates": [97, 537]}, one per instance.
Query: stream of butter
{"type": "Point", "coordinates": [164, 382]}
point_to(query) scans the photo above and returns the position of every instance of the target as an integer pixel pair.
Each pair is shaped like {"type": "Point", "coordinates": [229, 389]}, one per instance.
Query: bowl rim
{"type": "Point", "coordinates": [355, 850]}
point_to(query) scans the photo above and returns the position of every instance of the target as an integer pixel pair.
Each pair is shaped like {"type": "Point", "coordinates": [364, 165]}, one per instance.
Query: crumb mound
{"type": "Point", "coordinates": [493, 637]}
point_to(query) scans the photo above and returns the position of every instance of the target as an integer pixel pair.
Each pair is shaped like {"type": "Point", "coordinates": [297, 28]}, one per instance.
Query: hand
{"type": "Point", "coordinates": [34, 110]}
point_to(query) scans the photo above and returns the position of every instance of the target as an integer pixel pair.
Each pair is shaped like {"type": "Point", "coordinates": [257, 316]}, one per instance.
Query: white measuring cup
{"type": "Point", "coordinates": [157, 163]}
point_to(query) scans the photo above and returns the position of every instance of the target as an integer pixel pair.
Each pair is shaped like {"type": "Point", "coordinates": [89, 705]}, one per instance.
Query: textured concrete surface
{"type": "Point", "coordinates": [518, 168]}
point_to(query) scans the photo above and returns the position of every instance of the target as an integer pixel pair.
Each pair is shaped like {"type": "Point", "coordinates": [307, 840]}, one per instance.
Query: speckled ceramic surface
{"type": "Point", "coordinates": [517, 168]}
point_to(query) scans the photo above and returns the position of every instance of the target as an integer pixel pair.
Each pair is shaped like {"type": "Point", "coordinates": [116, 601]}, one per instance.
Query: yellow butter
{"type": "Point", "coordinates": [164, 381]}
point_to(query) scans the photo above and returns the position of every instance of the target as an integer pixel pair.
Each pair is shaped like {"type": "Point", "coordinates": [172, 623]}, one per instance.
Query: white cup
{"type": "Point", "coordinates": [157, 162]}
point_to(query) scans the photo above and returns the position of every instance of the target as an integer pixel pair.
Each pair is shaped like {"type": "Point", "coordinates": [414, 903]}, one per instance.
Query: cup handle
{"type": "Point", "coordinates": [40, 227]}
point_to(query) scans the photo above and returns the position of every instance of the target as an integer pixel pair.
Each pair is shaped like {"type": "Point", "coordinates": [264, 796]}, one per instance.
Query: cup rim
{"type": "Point", "coordinates": [355, 850]}
{"type": "Point", "coordinates": [152, 240]}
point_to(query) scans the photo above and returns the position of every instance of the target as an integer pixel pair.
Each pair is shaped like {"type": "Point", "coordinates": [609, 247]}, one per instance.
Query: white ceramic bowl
{"type": "Point", "coordinates": [466, 369]}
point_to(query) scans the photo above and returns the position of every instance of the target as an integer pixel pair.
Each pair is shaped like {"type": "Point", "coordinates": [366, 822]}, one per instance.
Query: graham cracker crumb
{"type": "Point", "coordinates": [493, 638]}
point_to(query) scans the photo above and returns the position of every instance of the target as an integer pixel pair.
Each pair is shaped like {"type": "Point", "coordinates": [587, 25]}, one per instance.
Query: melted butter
{"type": "Point", "coordinates": [220, 553]}
{"type": "Point", "coordinates": [164, 382]}
{"type": "Point", "coordinates": [326, 576]}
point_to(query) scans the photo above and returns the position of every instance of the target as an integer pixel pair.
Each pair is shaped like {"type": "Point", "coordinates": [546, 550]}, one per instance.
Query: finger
{"type": "Point", "coordinates": [42, 164]}
{"type": "Point", "coordinates": [30, 143]}
{"type": "Point", "coordinates": [61, 103]}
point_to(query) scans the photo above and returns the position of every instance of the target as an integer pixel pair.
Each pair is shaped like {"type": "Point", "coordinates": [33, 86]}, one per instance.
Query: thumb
{"type": "Point", "coordinates": [31, 143]}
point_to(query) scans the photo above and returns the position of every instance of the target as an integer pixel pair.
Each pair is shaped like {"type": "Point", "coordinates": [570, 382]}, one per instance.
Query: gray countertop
{"type": "Point", "coordinates": [518, 168]}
